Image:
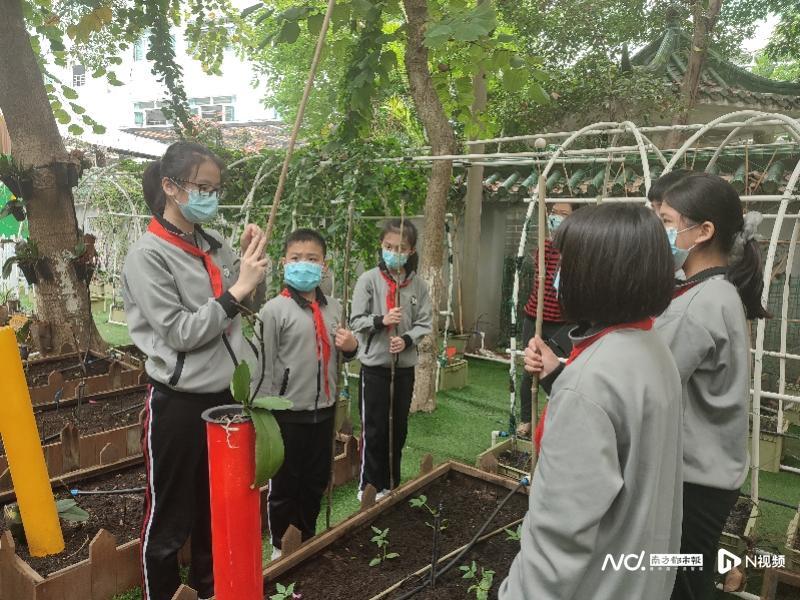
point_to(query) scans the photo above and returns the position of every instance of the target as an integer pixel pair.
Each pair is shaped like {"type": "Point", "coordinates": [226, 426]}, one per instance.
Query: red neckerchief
{"type": "Point", "coordinates": [644, 325]}
{"type": "Point", "coordinates": [214, 273]}
{"type": "Point", "coordinates": [392, 294]}
{"type": "Point", "coordinates": [323, 340]}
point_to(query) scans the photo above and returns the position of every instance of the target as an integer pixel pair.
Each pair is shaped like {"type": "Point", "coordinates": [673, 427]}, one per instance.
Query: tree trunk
{"type": "Point", "coordinates": [442, 140]}
{"type": "Point", "coordinates": [471, 242]}
{"type": "Point", "coordinates": [704, 21]}
{"type": "Point", "coordinates": [63, 301]}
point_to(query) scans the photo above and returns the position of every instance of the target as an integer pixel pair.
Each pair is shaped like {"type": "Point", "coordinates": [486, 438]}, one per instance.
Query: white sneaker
{"type": "Point", "coordinates": [276, 553]}
{"type": "Point", "coordinates": [382, 494]}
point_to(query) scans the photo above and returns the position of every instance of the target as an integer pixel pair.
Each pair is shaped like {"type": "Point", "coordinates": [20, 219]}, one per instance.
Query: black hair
{"type": "Point", "coordinates": [616, 264]}
{"type": "Point", "coordinates": [178, 162]}
{"type": "Point", "coordinates": [663, 183]}
{"type": "Point", "coordinates": [701, 197]}
{"type": "Point", "coordinates": [306, 235]}
{"type": "Point", "coordinates": [410, 236]}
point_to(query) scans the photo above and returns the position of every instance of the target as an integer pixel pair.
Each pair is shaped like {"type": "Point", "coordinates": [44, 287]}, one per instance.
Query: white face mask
{"type": "Point", "coordinates": [679, 255]}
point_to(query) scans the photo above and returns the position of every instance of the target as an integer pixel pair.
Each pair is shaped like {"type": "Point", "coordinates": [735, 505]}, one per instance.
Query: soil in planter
{"type": "Point", "coordinates": [93, 416]}
{"type": "Point", "coordinates": [516, 458]}
{"type": "Point", "coordinates": [784, 591]}
{"type": "Point", "coordinates": [36, 374]}
{"type": "Point", "coordinates": [342, 571]}
{"type": "Point", "coordinates": [119, 514]}
{"type": "Point", "coordinates": [737, 519]}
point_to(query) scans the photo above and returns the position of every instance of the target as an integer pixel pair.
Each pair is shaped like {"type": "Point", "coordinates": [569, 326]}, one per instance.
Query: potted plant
{"type": "Point", "coordinates": [84, 258]}
{"type": "Point", "coordinates": [27, 258]}
{"type": "Point", "coordinates": [453, 371]}
{"type": "Point", "coordinates": [15, 177]}
{"type": "Point", "coordinates": [245, 449]}
{"type": "Point", "coordinates": [14, 208]}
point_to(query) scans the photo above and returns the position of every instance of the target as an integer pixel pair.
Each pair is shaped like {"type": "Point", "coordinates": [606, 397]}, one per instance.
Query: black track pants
{"type": "Point", "coordinates": [177, 498]}
{"type": "Point", "coordinates": [374, 403]}
{"type": "Point", "coordinates": [705, 511]}
{"type": "Point", "coordinates": [296, 490]}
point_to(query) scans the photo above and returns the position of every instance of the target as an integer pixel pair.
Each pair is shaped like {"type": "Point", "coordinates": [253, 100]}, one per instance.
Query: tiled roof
{"type": "Point", "coordinates": [721, 81]}
{"type": "Point", "coordinates": [252, 135]}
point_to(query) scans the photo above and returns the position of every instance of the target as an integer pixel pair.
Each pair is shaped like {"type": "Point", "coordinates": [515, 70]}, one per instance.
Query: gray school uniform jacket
{"type": "Point", "coordinates": [608, 481]}
{"type": "Point", "coordinates": [706, 329]}
{"type": "Point", "coordinates": [369, 308]}
{"type": "Point", "coordinates": [192, 339]}
{"type": "Point", "coordinates": [291, 368]}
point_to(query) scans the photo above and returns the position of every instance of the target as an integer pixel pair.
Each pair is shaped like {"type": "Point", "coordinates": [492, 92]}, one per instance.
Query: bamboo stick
{"type": "Point", "coordinates": [539, 316]}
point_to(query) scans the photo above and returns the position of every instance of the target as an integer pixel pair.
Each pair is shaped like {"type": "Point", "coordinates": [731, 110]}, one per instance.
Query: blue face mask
{"type": "Point", "coordinates": [201, 207]}
{"type": "Point", "coordinates": [394, 260]}
{"type": "Point", "coordinates": [554, 222]}
{"type": "Point", "coordinates": [679, 255]}
{"type": "Point", "coordinates": [302, 276]}
{"type": "Point", "coordinates": [557, 280]}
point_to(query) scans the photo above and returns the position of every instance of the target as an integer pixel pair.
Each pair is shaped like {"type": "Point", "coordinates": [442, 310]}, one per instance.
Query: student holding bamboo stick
{"type": "Point", "coordinates": [706, 329]}
{"type": "Point", "coordinates": [183, 288]}
{"type": "Point", "coordinates": [608, 481]}
{"type": "Point", "coordinates": [302, 333]}
{"type": "Point", "coordinates": [388, 332]}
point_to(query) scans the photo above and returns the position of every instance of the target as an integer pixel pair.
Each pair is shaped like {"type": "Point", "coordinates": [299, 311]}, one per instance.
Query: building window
{"type": "Point", "coordinates": [230, 113]}
{"type": "Point", "coordinates": [211, 112]}
{"type": "Point", "coordinates": [217, 108]}
{"type": "Point", "coordinates": [155, 117]}
{"type": "Point", "coordinates": [78, 75]}
{"type": "Point", "coordinates": [138, 118]}
{"type": "Point", "coordinates": [140, 49]}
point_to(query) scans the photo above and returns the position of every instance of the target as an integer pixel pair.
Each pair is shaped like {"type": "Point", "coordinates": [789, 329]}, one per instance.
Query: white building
{"type": "Point", "coordinates": [226, 98]}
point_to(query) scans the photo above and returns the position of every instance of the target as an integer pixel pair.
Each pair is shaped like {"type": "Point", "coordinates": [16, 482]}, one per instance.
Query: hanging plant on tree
{"type": "Point", "coordinates": [27, 258]}
{"type": "Point", "coordinates": [15, 177]}
{"type": "Point", "coordinates": [269, 442]}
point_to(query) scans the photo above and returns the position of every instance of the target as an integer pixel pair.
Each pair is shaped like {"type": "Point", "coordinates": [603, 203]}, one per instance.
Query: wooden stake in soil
{"type": "Point", "coordinates": [342, 381]}
{"type": "Point", "coordinates": [394, 360]}
{"type": "Point", "coordinates": [539, 310]}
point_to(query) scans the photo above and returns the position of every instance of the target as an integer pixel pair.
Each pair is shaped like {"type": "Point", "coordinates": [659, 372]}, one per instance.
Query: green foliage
{"type": "Point", "coordinates": [269, 449]}
{"type": "Point", "coordinates": [285, 592]}
{"type": "Point", "coordinates": [68, 510]}
{"type": "Point", "coordinates": [483, 586]}
{"type": "Point", "coordinates": [514, 536]}
{"type": "Point", "coordinates": [381, 540]}
{"type": "Point", "coordinates": [781, 69]}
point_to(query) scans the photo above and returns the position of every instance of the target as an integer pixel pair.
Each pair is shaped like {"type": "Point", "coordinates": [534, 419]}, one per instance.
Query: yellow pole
{"type": "Point", "coordinates": [24, 453]}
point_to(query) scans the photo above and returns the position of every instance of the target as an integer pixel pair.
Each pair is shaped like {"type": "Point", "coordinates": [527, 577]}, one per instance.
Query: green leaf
{"type": "Point", "coordinates": [68, 510]}
{"type": "Point", "coordinates": [289, 32]}
{"type": "Point", "coordinates": [314, 23]}
{"type": "Point", "coordinates": [77, 108]}
{"type": "Point", "coordinates": [250, 10]}
{"type": "Point", "coordinates": [341, 13]}
{"type": "Point", "coordinates": [374, 562]}
{"type": "Point", "coordinates": [437, 35]}
{"type": "Point", "coordinates": [388, 60]}
{"type": "Point", "coordinates": [75, 129]}
{"type": "Point", "coordinates": [516, 61]}
{"type": "Point", "coordinates": [69, 93]}
{"type": "Point", "coordinates": [98, 129]}
{"type": "Point", "coordinates": [8, 265]}
{"type": "Point", "coordinates": [62, 116]}
{"type": "Point", "coordinates": [240, 386]}
{"type": "Point", "coordinates": [98, 72]}
{"type": "Point", "coordinates": [392, 555]}
{"type": "Point", "coordinates": [514, 79]}
{"type": "Point", "coordinates": [538, 94]}
{"type": "Point", "coordinates": [269, 446]}
{"type": "Point", "coordinates": [272, 403]}
{"type": "Point", "coordinates": [293, 13]}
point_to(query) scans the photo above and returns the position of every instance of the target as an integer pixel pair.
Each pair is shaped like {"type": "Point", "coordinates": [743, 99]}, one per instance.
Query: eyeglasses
{"type": "Point", "coordinates": [203, 188]}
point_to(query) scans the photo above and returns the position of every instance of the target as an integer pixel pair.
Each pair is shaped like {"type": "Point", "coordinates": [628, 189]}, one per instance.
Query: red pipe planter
{"type": "Point", "coordinates": [235, 506]}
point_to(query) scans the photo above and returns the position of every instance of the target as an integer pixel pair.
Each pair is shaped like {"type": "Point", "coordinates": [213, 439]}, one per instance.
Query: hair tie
{"type": "Point", "coordinates": [749, 232]}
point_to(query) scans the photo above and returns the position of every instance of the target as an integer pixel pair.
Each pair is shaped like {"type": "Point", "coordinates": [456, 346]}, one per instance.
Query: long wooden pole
{"type": "Point", "coordinates": [341, 391]}
{"type": "Point", "coordinates": [394, 360]}
{"type": "Point", "coordinates": [299, 119]}
{"type": "Point", "coordinates": [542, 278]}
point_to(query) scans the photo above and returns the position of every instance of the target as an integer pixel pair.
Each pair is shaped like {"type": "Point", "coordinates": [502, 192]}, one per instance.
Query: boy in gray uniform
{"type": "Point", "coordinates": [608, 480]}
{"type": "Point", "coordinates": [301, 335]}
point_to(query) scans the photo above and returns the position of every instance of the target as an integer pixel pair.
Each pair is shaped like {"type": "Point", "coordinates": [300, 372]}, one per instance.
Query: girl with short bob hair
{"type": "Point", "coordinates": [183, 287]}
{"type": "Point", "coordinates": [608, 480]}
{"type": "Point", "coordinates": [706, 328]}
{"type": "Point", "coordinates": [388, 332]}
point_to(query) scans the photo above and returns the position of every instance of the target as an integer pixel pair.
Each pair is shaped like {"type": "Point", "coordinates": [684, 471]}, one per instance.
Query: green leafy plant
{"type": "Point", "coordinates": [68, 510]}
{"type": "Point", "coordinates": [269, 443]}
{"type": "Point", "coordinates": [381, 540]}
{"type": "Point", "coordinates": [15, 176]}
{"type": "Point", "coordinates": [27, 257]}
{"type": "Point", "coordinates": [285, 592]}
{"type": "Point", "coordinates": [421, 501]}
{"type": "Point", "coordinates": [514, 536]}
{"type": "Point", "coordinates": [483, 586]}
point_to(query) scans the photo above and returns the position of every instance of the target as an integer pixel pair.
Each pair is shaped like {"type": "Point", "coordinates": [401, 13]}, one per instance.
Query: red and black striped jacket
{"type": "Point", "coordinates": [552, 309]}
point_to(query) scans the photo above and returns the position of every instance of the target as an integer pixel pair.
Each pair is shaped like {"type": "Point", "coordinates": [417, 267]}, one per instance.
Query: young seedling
{"type": "Point", "coordinates": [421, 501]}
{"type": "Point", "coordinates": [285, 592]}
{"type": "Point", "coordinates": [482, 587]}
{"type": "Point", "coordinates": [514, 536]}
{"type": "Point", "coordinates": [381, 540]}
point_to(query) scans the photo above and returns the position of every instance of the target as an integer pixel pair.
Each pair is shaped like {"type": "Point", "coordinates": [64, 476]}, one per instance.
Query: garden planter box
{"type": "Point", "coordinates": [792, 549]}
{"type": "Point", "coordinates": [453, 375]}
{"type": "Point", "coordinates": [116, 315]}
{"type": "Point", "coordinates": [336, 564]}
{"type": "Point", "coordinates": [770, 447]}
{"type": "Point", "coordinates": [509, 458]}
{"type": "Point", "coordinates": [741, 524]}
{"type": "Point", "coordinates": [780, 584]}
{"type": "Point", "coordinates": [347, 462]}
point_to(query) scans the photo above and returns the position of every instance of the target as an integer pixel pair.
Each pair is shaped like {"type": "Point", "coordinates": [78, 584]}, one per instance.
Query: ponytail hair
{"type": "Point", "coordinates": [701, 197]}
{"type": "Point", "coordinates": [410, 236]}
{"type": "Point", "coordinates": [180, 161]}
